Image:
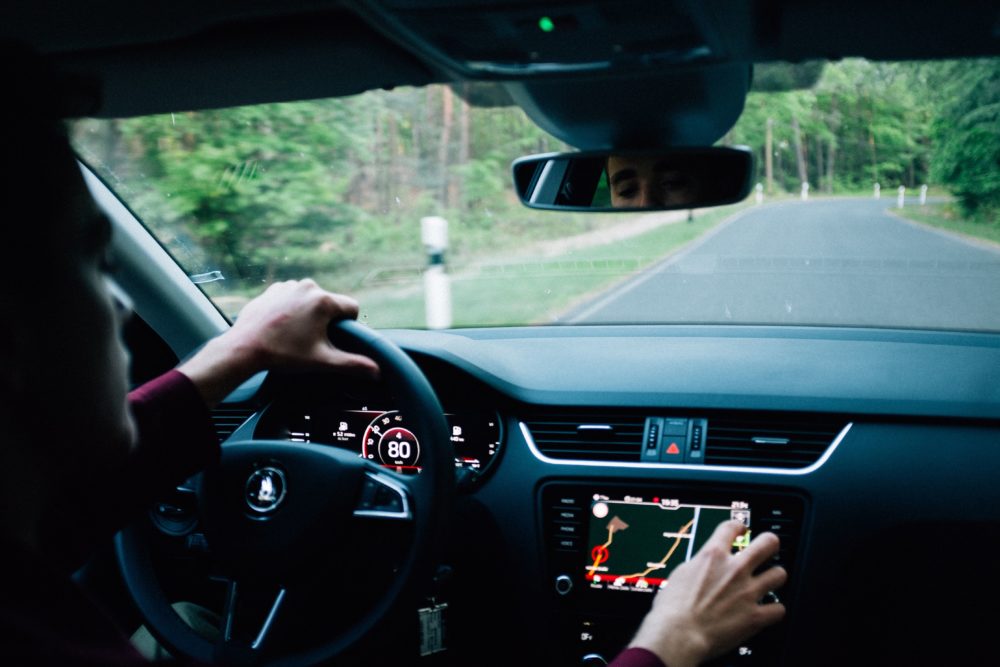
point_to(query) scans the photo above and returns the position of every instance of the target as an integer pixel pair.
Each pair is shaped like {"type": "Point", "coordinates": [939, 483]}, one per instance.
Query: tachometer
{"type": "Point", "coordinates": [389, 442]}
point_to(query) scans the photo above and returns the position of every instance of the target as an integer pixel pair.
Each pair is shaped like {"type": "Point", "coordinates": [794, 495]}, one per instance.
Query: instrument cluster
{"type": "Point", "coordinates": [381, 434]}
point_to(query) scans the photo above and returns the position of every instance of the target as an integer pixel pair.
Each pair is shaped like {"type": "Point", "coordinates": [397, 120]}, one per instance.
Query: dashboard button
{"type": "Point", "coordinates": [677, 427]}
{"type": "Point", "coordinates": [564, 514]}
{"type": "Point", "coordinates": [564, 584]}
{"type": "Point", "coordinates": [566, 544]}
{"type": "Point", "coordinates": [672, 449]}
{"type": "Point", "coordinates": [568, 529]}
{"type": "Point", "coordinates": [776, 526]}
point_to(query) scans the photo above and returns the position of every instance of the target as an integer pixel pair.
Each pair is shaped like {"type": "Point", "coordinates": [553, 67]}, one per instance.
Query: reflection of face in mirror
{"type": "Point", "coordinates": [649, 182]}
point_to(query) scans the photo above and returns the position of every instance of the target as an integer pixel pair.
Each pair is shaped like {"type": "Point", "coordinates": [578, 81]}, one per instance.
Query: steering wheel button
{"type": "Point", "coordinates": [388, 500]}
{"type": "Point", "coordinates": [369, 489]}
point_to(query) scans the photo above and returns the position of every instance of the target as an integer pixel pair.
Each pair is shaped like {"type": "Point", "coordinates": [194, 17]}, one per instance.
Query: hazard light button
{"type": "Point", "coordinates": [672, 449]}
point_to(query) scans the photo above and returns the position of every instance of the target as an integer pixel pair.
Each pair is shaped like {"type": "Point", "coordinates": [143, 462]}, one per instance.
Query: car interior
{"type": "Point", "coordinates": [872, 452]}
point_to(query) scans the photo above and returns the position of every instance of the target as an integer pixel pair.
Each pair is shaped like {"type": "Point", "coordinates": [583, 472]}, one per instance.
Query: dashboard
{"type": "Point", "coordinates": [872, 454]}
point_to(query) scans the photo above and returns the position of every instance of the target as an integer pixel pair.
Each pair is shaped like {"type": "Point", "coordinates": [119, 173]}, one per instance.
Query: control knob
{"type": "Point", "coordinates": [564, 584]}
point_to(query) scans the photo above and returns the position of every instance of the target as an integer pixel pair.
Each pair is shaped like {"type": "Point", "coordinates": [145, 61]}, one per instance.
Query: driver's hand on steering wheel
{"type": "Point", "coordinates": [285, 327]}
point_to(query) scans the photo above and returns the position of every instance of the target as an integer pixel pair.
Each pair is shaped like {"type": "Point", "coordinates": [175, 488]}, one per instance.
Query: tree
{"type": "Point", "coordinates": [967, 133]}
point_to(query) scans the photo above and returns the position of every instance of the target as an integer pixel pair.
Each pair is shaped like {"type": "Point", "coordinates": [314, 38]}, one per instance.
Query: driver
{"type": "Point", "coordinates": [81, 458]}
{"type": "Point", "coordinates": [649, 182]}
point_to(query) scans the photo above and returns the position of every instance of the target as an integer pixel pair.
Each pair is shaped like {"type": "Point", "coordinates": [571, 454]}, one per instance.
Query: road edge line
{"type": "Point", "coordinates": [615, 292]}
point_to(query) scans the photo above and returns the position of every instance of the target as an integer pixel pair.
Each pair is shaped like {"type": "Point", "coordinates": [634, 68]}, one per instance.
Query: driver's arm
{"type": "Point", "coordinates": [711, 604]}
{"type": "Point", "coordinates": [285, 327]}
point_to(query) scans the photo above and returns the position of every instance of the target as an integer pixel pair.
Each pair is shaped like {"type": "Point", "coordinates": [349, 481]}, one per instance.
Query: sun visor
{"type": "Point", "coordinates": [692, 106]}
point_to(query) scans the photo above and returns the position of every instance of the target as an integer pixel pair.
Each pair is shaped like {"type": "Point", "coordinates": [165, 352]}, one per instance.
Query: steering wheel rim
{"type": "Point", "coordinates": [429, 497]}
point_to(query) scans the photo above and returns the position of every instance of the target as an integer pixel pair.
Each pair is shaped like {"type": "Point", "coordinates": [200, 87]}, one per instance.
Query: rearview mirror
{"type": "Point", "coordinates": [675, 178]}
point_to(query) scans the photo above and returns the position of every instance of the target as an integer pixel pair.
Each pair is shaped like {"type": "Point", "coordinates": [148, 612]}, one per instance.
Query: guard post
{"type": "Point", "coordinates": [437, 284]}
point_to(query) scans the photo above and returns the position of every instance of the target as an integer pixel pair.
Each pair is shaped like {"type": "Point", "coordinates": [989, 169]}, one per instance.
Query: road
{"type": "Point", "coordinates": [833, 262]}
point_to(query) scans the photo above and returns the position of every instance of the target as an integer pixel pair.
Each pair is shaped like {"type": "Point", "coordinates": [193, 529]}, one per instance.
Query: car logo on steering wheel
{"type": "Point", "coordinates": [265, 490]}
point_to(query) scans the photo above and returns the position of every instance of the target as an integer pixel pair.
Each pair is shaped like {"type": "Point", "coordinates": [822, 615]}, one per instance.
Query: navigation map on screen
{"type": "Point", "coordinates": [635, 543]}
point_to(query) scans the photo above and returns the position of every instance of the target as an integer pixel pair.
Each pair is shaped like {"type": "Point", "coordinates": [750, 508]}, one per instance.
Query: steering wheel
{"type": "Point", "coordinates": [268, 506]}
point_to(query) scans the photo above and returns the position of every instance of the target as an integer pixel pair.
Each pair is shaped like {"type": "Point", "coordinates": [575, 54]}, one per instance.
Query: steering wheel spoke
{"type": "Point", "coordinates": [383, 497]}
{"type": "Point", "coordinates": [234, 640]}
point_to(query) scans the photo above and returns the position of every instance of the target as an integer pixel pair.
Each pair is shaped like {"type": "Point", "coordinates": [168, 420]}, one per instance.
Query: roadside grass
{"type": "Point", "coordinates": [947, 216]}
{"type": "Point", "coordinates": [521, 288]}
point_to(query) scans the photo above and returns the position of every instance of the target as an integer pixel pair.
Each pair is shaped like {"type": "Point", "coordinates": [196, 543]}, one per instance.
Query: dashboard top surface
{"type": "Point", "coordinates": [860, 371]}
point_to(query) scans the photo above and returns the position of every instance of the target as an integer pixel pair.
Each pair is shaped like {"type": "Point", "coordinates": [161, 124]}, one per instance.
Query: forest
{"type": "Point", "coordinates": [327, 187]}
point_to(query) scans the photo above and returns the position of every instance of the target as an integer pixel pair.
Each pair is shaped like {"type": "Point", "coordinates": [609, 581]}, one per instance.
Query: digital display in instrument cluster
{"type": "Point", "coordinates": [384, 436]}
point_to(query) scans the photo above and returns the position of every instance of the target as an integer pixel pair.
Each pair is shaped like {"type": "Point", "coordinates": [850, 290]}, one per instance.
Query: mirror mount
{"type": "Point", "coordinates": [662, 180]}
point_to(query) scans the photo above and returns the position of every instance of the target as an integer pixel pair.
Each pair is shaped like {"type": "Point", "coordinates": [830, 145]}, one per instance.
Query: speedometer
{"type": "Point", "coordinates": [389, 442]}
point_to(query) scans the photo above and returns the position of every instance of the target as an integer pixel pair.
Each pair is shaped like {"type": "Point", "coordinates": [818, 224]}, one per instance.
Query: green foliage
{"type": "Point", "coordinates": [337, 187]}
{"type": "Point", "coordinates": [946, 216]}
{"type": "Point", "coordinates": [780, 76]}
{"type": "Point", "coordinates": [861, 123]}
{"type": "Point", "coordinates": [967, 133]}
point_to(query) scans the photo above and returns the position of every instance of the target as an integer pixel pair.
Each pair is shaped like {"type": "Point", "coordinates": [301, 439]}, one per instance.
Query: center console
{"type": "Point", "coordinates": [610, 547]}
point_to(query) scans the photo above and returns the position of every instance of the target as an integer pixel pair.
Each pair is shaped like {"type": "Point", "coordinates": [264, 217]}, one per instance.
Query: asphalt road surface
{"type": "Point", "coordinates": [825, 262]}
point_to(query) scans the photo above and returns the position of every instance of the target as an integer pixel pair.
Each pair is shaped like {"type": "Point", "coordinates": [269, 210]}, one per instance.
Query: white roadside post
{"type": "Point", "coordinates": [901, 196]}
{"type": "Point", "coordinates": [437, 284]}
{"type": "Point", "coordinates": [878, 191]}
{"type": "Point", "coordinates": [805, 191]}
{"type": "Point", "coordinates": [759, 196]}
{"type": "Point", "coordinates": [923, 195]}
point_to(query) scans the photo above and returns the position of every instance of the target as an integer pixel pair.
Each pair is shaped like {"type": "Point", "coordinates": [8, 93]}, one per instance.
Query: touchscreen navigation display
{"type": "Point", "coordinates": [634, 542]}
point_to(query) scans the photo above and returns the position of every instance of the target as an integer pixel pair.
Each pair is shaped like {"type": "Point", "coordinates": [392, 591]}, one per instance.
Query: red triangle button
{"type": "Point", "coordinates": [673, 448]}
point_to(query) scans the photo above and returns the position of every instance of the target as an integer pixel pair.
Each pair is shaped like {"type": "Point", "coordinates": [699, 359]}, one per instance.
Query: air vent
{"type": "Point", "coordinates": [590, 436]}
{"type": "Point", "coordinates": [770, 442]}
{"type": "Point", "coordinates": [227, 419]}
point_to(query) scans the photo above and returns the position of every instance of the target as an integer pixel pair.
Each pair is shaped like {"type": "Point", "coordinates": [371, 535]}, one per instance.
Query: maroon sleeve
{"type": "Point", "coordinates": [176, 437]}
{"type": "Point", "coordinates": [637, 657]}
{"type": "Point", "coordinates": [175, 440]}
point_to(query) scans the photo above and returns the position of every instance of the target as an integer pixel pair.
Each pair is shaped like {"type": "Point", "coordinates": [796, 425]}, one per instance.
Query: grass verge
{"type": "Point", "coordinates": [527, 289]}
{"type": "Point", "coordinates": [947, 216]}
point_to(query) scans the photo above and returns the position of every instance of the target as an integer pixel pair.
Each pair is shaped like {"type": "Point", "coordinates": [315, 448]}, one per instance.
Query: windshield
{"type": "Point", "coordinates": [875, 201]}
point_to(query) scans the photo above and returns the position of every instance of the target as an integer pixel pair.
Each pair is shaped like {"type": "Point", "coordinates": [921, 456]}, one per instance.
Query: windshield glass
{"type": "Point", "coordinates": [875, 201]}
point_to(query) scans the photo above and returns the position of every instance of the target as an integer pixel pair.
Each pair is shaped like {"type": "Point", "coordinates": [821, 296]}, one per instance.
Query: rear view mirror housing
{"type": "Point", "coordinates": [661, 180]}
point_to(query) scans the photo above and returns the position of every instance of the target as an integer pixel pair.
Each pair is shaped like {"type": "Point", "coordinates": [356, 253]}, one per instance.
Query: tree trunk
{"type": "Point", "coordinates": [380, 177]}
{"type": "Point", "coordinates": [394, 184]}
{"type": "Point", "coordinates": [819, 163]}
{"type": "Point", "coordinates": [465, 120]}
{"type": "Point", "coordinates": [455, 192]}
{"type": "Point", "coordinates": [831, 152]}
{"type": "Point", "coordinates": [769, 155]}
{"type": "Point", "coordinates": [447, 114]}
{"type": "Point", "coordinates": [871, 141]}
{"type": "Point", "coordinates": [800, 153]}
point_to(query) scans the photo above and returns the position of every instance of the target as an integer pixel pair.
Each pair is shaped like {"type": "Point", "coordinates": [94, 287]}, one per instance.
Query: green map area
{"type": "Point", "coordinates": [637, 545]}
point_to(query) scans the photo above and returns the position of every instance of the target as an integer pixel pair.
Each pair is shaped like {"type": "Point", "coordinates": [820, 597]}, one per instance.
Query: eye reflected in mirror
{"type": "Point", "coordinates": [664, 180]}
